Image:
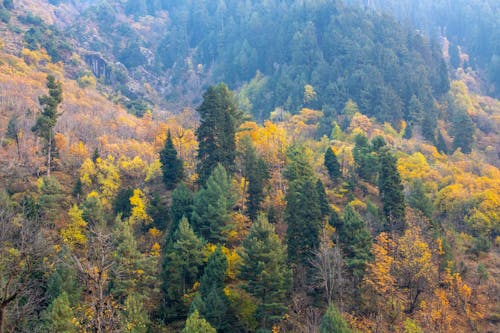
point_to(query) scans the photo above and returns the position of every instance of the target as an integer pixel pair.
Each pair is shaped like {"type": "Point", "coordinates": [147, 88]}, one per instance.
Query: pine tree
{"type": "Point", "coordinates": [303, 211]}
{"type": "Point", "coordinates": [216, 133]}
{"type": "Point", "coordinates": [441, 145]}
{"type": "Point", "coordinates": [418, 199]}
{"type": "Point", "coordinates": [355, 241]}
{"type": "Point", "coordinates": [183, 260]}
{"type": "Point", "coordinates": [213, 205]}
{"type": "Point", "coordinates": [365, 159]}
{"type": "Point", "coordinates": [197, 324]}
{"type": "Point", "coordinates": [47, 119]}
{"type": "Point", "coordinates": [182, 206]}
{"type": "Point", "coordinates": [171, 165]}
{"type": "Point", "coordinates": [135, 317]}
{"type": "Point", "coordinates": [214, 302]}
{"type": "Point", "coordinates": [463, 131]}
{"type": "Point", "coordinates": [265, 272]}
{"type": "Point", "coordinates": [256, 173]}
{"type": "Point", "coordinates": [323, 199]}
{"type": "Point", "coordinates": [61, 318]}
{"type": "Point", "coordinates": [332, 165]}
{"type": "Point", "coordinates": [333, 322]}
{"type": "Point", "coordinates": [391, 191]}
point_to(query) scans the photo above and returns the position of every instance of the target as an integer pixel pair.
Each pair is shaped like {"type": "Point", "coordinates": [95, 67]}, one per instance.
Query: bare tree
{"type": "Point", "coordinates": [22, 249]}
{"type": "Point", "coordinates": [329, 270]}
{"type": "Point", "coordinates": [94, 264]}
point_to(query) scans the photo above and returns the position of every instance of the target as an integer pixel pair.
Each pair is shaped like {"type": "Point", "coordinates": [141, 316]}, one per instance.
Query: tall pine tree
{"type": "Point", "coordinates": [391, 191]}
{"type": "Point", "coordinates": [46, 121]}
{"type": "Point", "coordinates": [332, 164]}
{"type": "Point", "coordinates": [216, 133]}
{"type": "Point", "coordinates": [355, 241]}
{"type": "Point", "coordinates": [256, 173]}
{"type": "Point", "coordinates": [463, 131]}
{"type": "Point", "coordinates": [212, 302]}
{"type": "Point", "coordinates": [265, 272]}
{"type": "Point", "coordinates": [181, 206]}
{"type": "Point", "coordinates": [213, 206]}
{"type": "Point", "coordinates": [303, 210]}
{"type": "Point", "coordinates": [183, 261]}
{"type": "Point", "coordinates": [171, 165]}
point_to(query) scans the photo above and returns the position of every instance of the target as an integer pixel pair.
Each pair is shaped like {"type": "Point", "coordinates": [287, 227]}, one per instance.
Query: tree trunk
{"type": "Point", "coordinates": [2, 319]}
{"type": "Point", "coordinates": [49, 151]}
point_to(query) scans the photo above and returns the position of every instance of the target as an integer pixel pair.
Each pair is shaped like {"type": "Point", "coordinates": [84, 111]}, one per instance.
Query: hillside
{"type": "Point", "coordinates": [345, 179]}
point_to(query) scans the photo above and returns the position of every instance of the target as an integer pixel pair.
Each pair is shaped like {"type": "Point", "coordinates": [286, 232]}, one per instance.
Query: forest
{"type": "Point", "coordinates": [249, 166]}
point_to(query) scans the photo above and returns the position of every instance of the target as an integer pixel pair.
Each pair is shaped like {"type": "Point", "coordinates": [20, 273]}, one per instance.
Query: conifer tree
{"type": "Point", "coordinates": [391, 191]}
{"type": "Point", "coordinates": [213, 205]}
{"type": "Point", "coordinates": [463, 131]}
{"type": "Point", "coordinates": [303, 211]}
{"type": "Point", "coordinates": [333, 322]}
{"type": "Point", "coordinates": [212, 302]}
{"type": "Point", "coordinates": [182, 206]}
{"type": "Point", "coordinates": [323, 199]}
{"type": "Point", "coordinates": [135, 317]}
{"type": "Point", "coordinates": [332, 165]}
{"type": "Point", "coordinates": [46, 121]}
{"type": "Point", "coordinates": [355, 241]}
{"type": "Point", "coordinates": [197, 324]}
{"type": "Point", "coordinates": [171, 165]}
{"type": "Point", "coordinates": [265, 272]}
{"type": "Point", "coordinates": [61, 318]}
{"type": "Point", "coordinates": [441, 145]}
{"type": "Point", "coordinates": [256, 172]}
{"type": "Point", "coordinates": [365, 159]}
{"type": "Point", "coordinates": [216, 133]}
{"type": "Point", "coordinates": [181, 268]}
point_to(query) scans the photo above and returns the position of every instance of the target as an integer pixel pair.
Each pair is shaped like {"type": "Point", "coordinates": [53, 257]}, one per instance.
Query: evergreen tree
{"type": "Point", "coordinates": [197, 324]}
{"type": "Point", "coordinates": [429, 124]}
{"type": "Point", "coordinates": [213, 303]}
{"type": "Point", "coordinates": [213, 205]}
{"type": "Point", "coordinates": [95, 155]}
{"type": "Point", "coordinates": [355, 241]}
{"type": "Point", "coordinates": [216, 133]}
{"type": "Point", "coordinates": [366, 161]}
{"type": "Point", "coordinates": [333, 322]}
{"type": "Point", "coordinates": [391, 191]}
{"type": "Point", "coordinates": [463, 131]}
{"type": "Point", "coordinates": [441, 145]}
{"type": "Point", "coordinates": [183, 260]}
{"type": "Point", "coordinates": [418, 199]}
{"type": "Point", "coordinates": [171, 165]}
{"type": "Point", "coordinates": [61, 318]}
{"type": "Point", "coordinates": [323, 199]}
{"type": "Point", "coordinates": [182, 206]}
{"type": "Point", "coordinates": [256, 172]}
{"type": "Point", "coordinates": [265, 272]}
{"type": "Point", "coordinates": [332, 165]}
{"type": "Point", "coordinates": [303, 211]}
{"type": "Point", "coordinates": [46, 121]}
{"type": "Point", "coordinates": [135, 317]}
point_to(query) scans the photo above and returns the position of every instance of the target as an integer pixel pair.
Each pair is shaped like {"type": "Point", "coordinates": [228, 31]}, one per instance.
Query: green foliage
{"type": "Point", "coordinates": [332, 165]}
{"type": "Point", "coordinates": [333, 322]}
{"type": "Point", "coordinates": [365, 158]}
{"type": "Point", "coordinates": [171, 165]}
{"type": "Point", "coordinates": [323, 199]}
{"type": "Point", "coordinates": [256, 173]}
{"type": "Point", "coordinates": [47, 119]}
{"type": "Point", "coordinates": [121, 204]}
{"type": "Point", "coordinates": [197, 324]}
{"type": "Point", "coordinates": [391, 191]}
{"type": "Point", "coordinates": [462, 131]}
{"type": "Point", "coordinates": [183, 260]}
{"type": "Point", "coordinates": [61, 318]}
{"type": "Point", "coordinates": [182, 206]}
{"type": "Point", "coordinates": [303, 210]}
{"type": "Point", "coordinates": [419, 199]}
{"type": "Point", "coordinates": [265, 272]}
{"type": "Point", "coordinates": [213, 303]}
{"type": "Point", "coordinates": [52, 199]}
{"type": "Point", "coordinates": [355, 240]}
{"type": "Point", "coordinates": [216, 133]}
{"type": "Point", "coordinates": [213, 205]}
{"type": "Point", "coordinates": [135, 317]}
